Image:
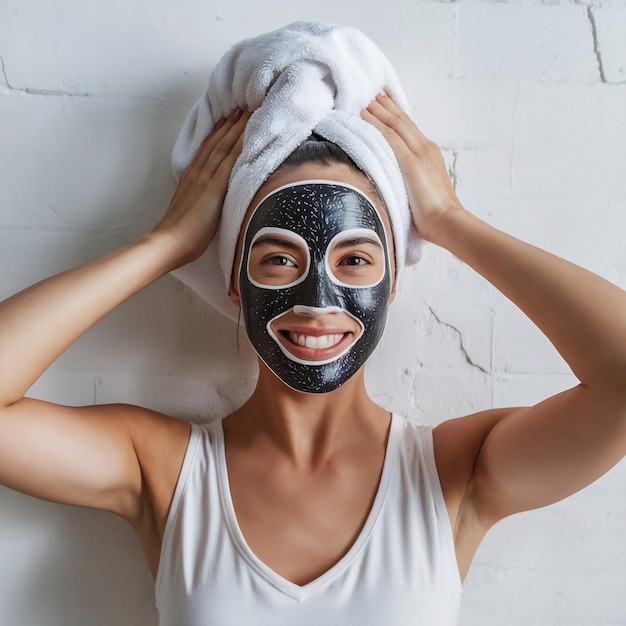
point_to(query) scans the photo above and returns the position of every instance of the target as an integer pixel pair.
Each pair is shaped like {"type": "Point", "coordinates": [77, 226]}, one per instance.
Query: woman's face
{"type": "Point", "coordinates": [313, 274]}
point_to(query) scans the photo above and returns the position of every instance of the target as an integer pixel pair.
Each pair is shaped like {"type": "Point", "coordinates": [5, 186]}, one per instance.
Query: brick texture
{"type": "Point", "coordinates": [527, 100]}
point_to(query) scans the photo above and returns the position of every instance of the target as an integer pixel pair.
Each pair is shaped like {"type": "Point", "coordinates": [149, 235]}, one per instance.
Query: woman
{"type": "Point", "coordinates": [312, 519]}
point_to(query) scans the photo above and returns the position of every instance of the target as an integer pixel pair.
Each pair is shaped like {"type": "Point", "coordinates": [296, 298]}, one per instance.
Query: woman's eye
{"type": "Point", "coordinates": [281, 260]}
{"type": "Point", "coordinates": [355, 260]}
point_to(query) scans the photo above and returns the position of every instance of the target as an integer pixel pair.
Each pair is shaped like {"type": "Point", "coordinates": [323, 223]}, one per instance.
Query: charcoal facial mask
{"type": "Point", "coordinates": [313, 249]}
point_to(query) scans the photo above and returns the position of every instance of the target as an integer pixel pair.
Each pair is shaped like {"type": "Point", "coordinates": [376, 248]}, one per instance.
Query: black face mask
{"type": "Point", "coordinates": [314, 215]}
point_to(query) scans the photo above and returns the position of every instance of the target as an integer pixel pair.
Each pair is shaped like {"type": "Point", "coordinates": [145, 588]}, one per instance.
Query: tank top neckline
{"type": "Point", "coordinates": [300, 592]}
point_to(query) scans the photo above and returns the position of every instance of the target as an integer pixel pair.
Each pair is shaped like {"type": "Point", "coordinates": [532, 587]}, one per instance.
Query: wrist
{"type": "Point", "coordinates": [439, 227]}
{"type": "Point", "coordinates": [165, 250]}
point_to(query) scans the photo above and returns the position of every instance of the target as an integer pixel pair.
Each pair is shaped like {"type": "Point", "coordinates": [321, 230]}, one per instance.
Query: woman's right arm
{"type": "Point", "coordinates": [87, 455]}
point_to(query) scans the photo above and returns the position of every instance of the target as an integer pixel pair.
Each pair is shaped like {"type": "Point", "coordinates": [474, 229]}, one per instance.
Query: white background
{"type": "Point", "coordinates": [528, 101]}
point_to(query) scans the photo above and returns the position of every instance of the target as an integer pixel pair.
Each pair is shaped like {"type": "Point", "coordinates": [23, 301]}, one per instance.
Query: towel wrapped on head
{"type": "Point", "coordinates": [303, 78]}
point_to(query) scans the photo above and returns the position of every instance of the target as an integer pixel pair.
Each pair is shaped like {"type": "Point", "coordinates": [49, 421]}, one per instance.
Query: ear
{"type": "Point", "coordinates": [392, 295]}
{"type": "Point", "coordinates": [394, 279]}
{"type": "Point", "coordinates": [234, 296]}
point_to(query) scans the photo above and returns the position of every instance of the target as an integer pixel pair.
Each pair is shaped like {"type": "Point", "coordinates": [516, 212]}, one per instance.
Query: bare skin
{"type": "Point", "coordinates": [303, 468]}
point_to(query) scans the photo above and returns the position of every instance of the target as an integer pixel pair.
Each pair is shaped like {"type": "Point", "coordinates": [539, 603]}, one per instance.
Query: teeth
{"type": "Point", "coordinates": [317, 343]}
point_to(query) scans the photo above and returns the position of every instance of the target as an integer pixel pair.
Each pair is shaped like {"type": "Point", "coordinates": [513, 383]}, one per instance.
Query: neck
{"type": "Point", "coordinates": [308, 428]}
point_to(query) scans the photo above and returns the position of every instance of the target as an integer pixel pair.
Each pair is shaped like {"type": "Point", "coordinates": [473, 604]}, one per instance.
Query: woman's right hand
{"type": "Point", "coordinates": [193, 214]}
{"type": "Point", "coordinates": [93, 456]}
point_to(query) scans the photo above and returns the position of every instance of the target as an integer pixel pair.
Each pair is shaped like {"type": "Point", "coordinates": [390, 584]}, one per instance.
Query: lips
{"type": "Point", "coordinates": [312, 342]}
{"type": "Point", "coordinates": [321, 342]}
{"type": "Point", "coordinates": [315, 346]}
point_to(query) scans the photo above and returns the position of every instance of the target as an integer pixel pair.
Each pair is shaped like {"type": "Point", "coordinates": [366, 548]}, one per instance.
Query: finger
{"type": "Point", "coordinates": [228, 142]}
{"type": "Point", "coordinates": [219, 131]}
{"type": "Point", "coordinates": [382, 117]}
{"type": "Point", "coordinates": [368, 116]}
{"type": "Point", "coordinates": [217, 126]}
{"type": "Point", "coordinates": [213, 139]}
{"type": "Point", "coordinates": [222, 175]}
{"type": "Point", "coordinates": [393, 115]}
{"type": "Point", "coordinates": [390, 104]}
{"type": "Point", "coordinates": [389, 133]}
{"type": "Point", "coordinates": [225, 168]}
{"type": "Point", "coordinates": [390, 114]}
{"type": "Point", "coordinates": [207, 143]}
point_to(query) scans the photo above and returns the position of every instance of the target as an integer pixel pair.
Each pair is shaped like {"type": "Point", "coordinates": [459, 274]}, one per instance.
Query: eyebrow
{"type": "Point", "coordinates": [276, 241]}
{"type": "Point", "coordinates": [357, 241]}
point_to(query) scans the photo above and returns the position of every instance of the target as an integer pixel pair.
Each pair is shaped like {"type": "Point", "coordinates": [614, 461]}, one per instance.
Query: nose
{"type": "Point", "coordinates": [315, 311]}
{"type": "Point", "coordinates": [319, 295]}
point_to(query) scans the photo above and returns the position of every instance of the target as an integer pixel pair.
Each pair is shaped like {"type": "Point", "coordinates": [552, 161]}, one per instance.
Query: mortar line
{"type": "Point", "coordinates": [596, 44]}
{"type": "Point", "coordinates": [38, 92]}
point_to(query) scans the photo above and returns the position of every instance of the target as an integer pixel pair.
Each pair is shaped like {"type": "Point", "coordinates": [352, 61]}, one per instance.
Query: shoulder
{"type": "Point", "coordinates": [150, 430]}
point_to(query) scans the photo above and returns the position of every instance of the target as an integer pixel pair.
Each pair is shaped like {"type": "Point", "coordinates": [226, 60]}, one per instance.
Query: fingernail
{"type": "Point", "coordinates": [236, 114]}
{"type": "Point", "coordinates": [219, 124]}
{"type": "Point", "coordinates": [382, 94]}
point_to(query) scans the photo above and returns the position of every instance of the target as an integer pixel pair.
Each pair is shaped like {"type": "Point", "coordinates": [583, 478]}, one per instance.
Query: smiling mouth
{"type": "Point", "coordinates": [321, 342]}
{"type": "Point", "coordinates": [313, 349]}
{"type": "Point", "coordinates": [311, 344]}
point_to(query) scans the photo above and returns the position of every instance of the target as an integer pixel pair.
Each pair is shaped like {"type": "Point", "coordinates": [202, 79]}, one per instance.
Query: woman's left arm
{"type": "Point", "coordinates": [537, 455]}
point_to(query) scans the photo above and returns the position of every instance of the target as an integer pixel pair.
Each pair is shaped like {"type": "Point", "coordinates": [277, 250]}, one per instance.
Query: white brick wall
{"type": "Point", "coordinates": [538, 43]}
{"type": "Point", "coordinates": [528, 100]}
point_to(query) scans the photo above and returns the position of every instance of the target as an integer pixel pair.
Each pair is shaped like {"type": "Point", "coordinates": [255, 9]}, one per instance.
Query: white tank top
{"type": "Point", "coordinates": [400, 571]}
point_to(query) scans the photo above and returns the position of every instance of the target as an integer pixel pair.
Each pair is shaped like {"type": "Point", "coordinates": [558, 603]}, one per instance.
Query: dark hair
{"type": "Point", "coordinates": [316, 149]}
{"type": "Point", "coordinates": [319, 151]}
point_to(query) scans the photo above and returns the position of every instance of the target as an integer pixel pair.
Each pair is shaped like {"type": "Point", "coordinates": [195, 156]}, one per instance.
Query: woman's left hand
{"type": "Point", "coordinates": [425, 174]}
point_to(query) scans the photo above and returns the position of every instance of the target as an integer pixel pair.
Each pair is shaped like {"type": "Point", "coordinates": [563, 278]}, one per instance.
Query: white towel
{"type": "Point", "coordinates": [301, 78]}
